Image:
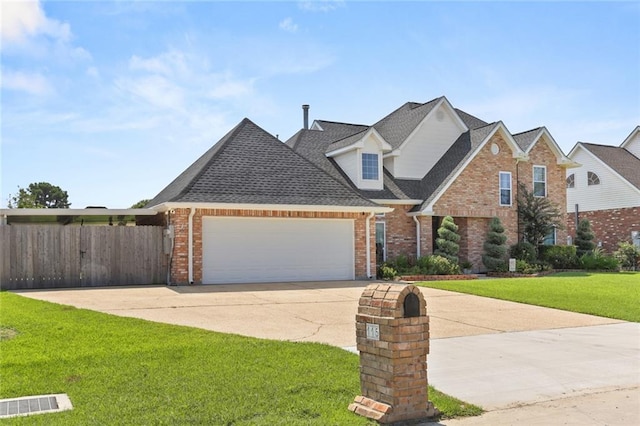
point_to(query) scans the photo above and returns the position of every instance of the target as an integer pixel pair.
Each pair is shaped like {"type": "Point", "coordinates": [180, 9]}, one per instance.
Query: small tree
{"type": "Point", "coordinates": [140, 204]}
{"type": "Point", "coordinates": [40, 195]}
{"type": "Point", "coordinates": [495, 249]}
{"type": "Point", "coordinates": [538, 216]}
{"type": "Point", "coordinates": [447, 243]}
{"type": "Point", "coordinates": [584, 238]}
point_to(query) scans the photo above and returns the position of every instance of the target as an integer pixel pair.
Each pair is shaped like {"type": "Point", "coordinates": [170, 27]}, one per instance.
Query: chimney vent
{"type": "Point", "coordinates": [305, 109]}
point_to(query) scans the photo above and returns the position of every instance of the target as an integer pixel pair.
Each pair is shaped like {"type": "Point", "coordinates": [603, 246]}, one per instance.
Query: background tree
{"type": "Point", "coordinates": [40, 195]}
{"type": "Point", "coordinates": [140, 204]}
{"type": "Point", "coordinates": [584, 238]}
{"type": "Point", "coordinates": [538, 216]}
{"type": "Point", "coordinates": [495, 250]}
{"type": "Point", "coordinates": [447, 243]}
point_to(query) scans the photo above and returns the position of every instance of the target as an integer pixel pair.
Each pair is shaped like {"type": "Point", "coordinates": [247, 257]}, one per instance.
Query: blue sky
{"type": "Point", "coordinates": [112, 100]}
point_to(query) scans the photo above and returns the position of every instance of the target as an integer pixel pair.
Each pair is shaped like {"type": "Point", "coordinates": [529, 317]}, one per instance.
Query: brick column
{"type": "Point", "coordinates": [392, 331]}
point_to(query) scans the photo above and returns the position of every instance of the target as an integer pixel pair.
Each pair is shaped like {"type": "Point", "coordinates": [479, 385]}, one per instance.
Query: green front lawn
{"type": "Point", "coordinates": [128, 371]}
{"type": "Point", "coordinates": [611, 295]}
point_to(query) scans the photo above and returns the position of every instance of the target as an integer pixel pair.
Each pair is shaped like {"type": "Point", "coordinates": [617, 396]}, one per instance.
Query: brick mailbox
{"type": "Point", "coordinates": [392, 330]}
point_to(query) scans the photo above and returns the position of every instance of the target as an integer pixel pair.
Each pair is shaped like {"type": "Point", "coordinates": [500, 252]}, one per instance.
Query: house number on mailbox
{"type": "Point", "coordinates": [373, 331]}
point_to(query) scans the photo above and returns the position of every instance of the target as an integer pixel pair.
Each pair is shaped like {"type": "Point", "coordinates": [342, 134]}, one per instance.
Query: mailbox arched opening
{"type": "Point", "coordinates": [411, 306]}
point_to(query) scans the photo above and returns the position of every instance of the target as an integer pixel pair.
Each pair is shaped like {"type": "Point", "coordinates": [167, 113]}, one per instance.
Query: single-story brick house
{"type": "Point", "coordinates": [338, 198]}
{"type": "Point", "coordinates": [606, 190]}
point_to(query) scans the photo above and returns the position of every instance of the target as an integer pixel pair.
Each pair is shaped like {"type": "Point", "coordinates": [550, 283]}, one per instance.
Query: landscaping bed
{"type": "Point", "coordinates": [438, 277]}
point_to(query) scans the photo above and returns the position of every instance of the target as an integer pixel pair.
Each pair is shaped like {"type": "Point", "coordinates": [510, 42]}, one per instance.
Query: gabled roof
{"type": "Point", "coordinates": [250, 166]}
{"type": "Point", "coordinates": [631, 136]}
{"type": "Point", "coordinates": [617, 159]}
{"type": "Point", "coordinates": [528, 139]}
{"type": "Point", "coordinates": [396, 127]}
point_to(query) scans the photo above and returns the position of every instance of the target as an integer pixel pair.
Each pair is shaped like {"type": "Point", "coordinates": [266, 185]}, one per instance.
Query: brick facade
{"type": "Point", "coordinates": [609, 226]}
{"type": "Point", "coordinates": [542, 155]}
{"type": "Point", "coordinates": [180, 220]}
{"type": "Point", "coordinates": [473, 199]}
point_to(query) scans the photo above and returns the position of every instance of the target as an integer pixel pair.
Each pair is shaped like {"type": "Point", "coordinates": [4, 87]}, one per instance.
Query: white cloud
{"type": "Point", "coordinates": [155, 90]}
{"type": "Point", "coordinates": [288, 25]}
{"type": "Point", "coordinates": [32, 83]}
{"type": "Point", "coordinates": [22, 20]}
{"type": "Point", "coordinates": [231, 89]}
{"type": "Point", "coordinates": [320, 5]}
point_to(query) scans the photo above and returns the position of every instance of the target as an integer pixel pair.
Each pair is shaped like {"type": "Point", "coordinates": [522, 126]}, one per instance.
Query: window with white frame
{"type": "Point", "coordinates": [539, 181]}
{"type": "Point", "coordinates": [370, 166]}
{"type": "Point", "coordinates": [505, 188]}
{"type": "Point", "coordinates": [550, 238]}
{"type": "Point", "coordinates": [592, 179]}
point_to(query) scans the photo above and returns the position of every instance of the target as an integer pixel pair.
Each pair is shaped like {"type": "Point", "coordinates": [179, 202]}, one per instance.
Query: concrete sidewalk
{"type": "Point", "coordinates": [522, 363]}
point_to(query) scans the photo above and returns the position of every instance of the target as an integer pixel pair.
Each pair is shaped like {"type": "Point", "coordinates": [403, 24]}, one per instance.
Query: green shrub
{"type": "Point", "coordinates": [598, 260]}
{"type": "Point", "coordinates": [523, 251]}
{"type": "Point", "coordinates": [403, 263]}
{"type": "Point", "coordinates": [560, 257]}
{"type": "Point", "coordinates": [494, 247]}
{"type": "Point", "coordinates": [584, 238]}
{"type": "Point", "coordinates": [437, 265]}
{"type": "Point", "coordinates": [628, 256]}
{"type": "Point", "coordinates": [524, 267]}
{"type": "Point", "coordinates": [447, 243]}
{"type": "Point", "coordinates": [387, 272]}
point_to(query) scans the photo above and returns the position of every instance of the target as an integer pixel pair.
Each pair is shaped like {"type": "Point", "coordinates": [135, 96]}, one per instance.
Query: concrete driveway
{"type": "Point", "coordinates": [496, 354]}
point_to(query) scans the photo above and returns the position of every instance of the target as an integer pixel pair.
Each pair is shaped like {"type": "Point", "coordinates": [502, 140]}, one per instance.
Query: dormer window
{"type": "Point", "coordinates": [370, 167]}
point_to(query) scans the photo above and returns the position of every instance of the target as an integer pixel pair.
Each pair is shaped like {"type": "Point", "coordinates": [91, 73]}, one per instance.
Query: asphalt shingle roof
{"type": "Point", "coordinates": [525, 139]}
{"type": "Point", "coordinates": [250, 166]}
{"type": "Point", "coordinates": [397, 126]}
{"type": "Point", "coordinates": [619, 159]}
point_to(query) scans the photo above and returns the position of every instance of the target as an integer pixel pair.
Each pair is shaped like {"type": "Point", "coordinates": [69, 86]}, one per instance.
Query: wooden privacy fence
{"type": "Point", "coordinates": [49, 256]}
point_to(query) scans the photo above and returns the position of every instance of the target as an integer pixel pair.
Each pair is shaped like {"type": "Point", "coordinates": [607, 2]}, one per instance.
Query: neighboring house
{"type": "Point", "coordinates": [606, 190]}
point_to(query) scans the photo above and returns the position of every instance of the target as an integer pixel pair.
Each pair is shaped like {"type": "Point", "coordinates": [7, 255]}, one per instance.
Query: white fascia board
{"type": "Point", "coordinates": [562, 160]}
{"type": "Point", "coordinates": [394, 153]}
{"type": "Point", "coordinates": [353, 146]}
{"type": "Point", "coordinates": [396, 201]}
{"type": "Point", "coordinates": [78, 212]}
{"type": "Point", "coordinates": [632, 135]}
{"type": "Point", "coordinates": [277, 207]}
{"type": "Point", "coordinates": [425, 212]}
{"type": "Point", "coordinates": [515, 148]}
{"type": "Point", "coordinates": [384, 145]}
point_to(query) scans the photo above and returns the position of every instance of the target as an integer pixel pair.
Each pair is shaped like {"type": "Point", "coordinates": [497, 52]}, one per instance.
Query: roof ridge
{"type": "Point", "coordinates": [528, 131]}
{"type": "Point", "coordinates": [342, 122]}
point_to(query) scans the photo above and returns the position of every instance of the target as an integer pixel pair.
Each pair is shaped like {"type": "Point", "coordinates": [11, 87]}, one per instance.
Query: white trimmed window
{"type": "Point", "coordinates": [370, 167]}
{"type": "Point", "coordinates": [592, 179]}
{"type": "Point", "coordinates": [539, 181]}
{"type": "Point", "coordinates": [505, 188]}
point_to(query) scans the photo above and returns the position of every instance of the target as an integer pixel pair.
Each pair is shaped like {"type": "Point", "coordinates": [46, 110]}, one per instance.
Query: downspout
{"type": "Point", "coordinates": [415, 219]}
{"type": "Point", "coordinates": [191, 214]}
{"type": "Point", "coordinates": [368, 239]}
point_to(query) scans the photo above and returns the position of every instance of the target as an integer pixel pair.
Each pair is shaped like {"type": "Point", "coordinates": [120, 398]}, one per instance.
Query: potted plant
{"type": "Point", "coordinates": [466, 267]}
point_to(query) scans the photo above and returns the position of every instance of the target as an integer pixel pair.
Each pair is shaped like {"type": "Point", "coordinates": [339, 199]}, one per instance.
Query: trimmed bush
{"type": "Point", "coordinates": [560, 257]}
{"type": "Point", "coordinates": [584, 238]}
{"type": "Point", "coordinates": [447, 243]}
{"type": "Point", "coordinates": [523, 251]}
{"type": "Point", "coordinates": [494, 247]}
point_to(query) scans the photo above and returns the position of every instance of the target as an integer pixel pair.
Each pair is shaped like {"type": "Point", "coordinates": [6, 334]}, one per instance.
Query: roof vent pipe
{"type": "Point", "coordinates": [305, 109]}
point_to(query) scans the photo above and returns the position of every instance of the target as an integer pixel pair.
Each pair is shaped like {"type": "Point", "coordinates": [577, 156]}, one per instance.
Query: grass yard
{"type": "Point", "coordinates": [611, 295]}
{"type": "Point", "coordinates": [127, 371]}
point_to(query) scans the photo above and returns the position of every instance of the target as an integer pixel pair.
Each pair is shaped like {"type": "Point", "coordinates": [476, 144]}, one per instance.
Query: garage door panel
{"type": "Point", "coordinates": [237, 250]}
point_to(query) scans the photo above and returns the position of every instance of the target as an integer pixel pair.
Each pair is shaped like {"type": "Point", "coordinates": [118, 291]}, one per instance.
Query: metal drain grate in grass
{"type": "Point", "coordinates": [39, 404]}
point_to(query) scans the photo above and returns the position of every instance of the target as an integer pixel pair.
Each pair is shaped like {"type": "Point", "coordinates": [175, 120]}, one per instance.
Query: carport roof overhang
{"type": "Point", "coordinates": [277, 207]}
{"type": "Point", "coordinates": [77, 212]}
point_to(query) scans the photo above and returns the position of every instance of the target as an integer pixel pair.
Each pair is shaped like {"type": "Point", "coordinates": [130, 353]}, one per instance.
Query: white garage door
{"type": "Point", "coordinates": [245, 250]}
